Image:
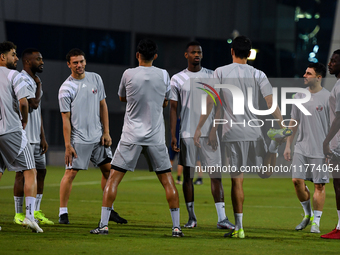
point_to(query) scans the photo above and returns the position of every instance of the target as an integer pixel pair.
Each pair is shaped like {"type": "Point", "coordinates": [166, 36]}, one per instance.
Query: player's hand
{"type": "Point", "coordinates": [287, 154]}
{"type": "Point", "coordinates": [106, 140]}
{"type": "Point", "coordinates": [197, 138]}
{"type": "Point", "coordinates": [70, 153]}
{"type": "Point", "coordinates": [43, 146]}
{"type": "Point", "coordinates": [327, 151]}
{"type": "Point", "coordinates": [174, 144]}
{"type": "Point", "coordinates": [213, 140]}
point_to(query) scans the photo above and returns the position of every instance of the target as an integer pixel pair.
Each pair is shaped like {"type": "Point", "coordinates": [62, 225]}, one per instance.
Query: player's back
{"type": "Point", "coordinates": [242, 76]}
{"type": "Point", "coordinates": [145, 89]}
{"type": "Point", "coordinates": [9, 105]}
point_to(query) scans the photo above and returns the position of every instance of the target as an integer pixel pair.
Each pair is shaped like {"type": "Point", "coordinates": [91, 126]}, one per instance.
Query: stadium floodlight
{"type": "Point", "coordinates": [252, 54]}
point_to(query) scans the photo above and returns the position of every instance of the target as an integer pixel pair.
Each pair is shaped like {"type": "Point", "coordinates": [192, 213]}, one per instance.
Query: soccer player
{"type": "Point", "coordinates": [15, 153]}
{"type": "Point", "coordinates": [145, 89]}
{"type": "Point", "coordinates": [209, 155]}
{"type": "Point", "coordinates": [33, 63]}
{"type": "Point", "coordinates": [85, 126]}
{"type": "Point", "coordinates": [308, 159]}
{"type": "Point", "coordinates": [331, 145]}
{"type": "Point", "coordinates": [242, 145]}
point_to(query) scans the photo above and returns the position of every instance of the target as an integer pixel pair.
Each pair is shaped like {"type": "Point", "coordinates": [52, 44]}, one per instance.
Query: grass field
{"type": "Point", "coordinates": [271, 213]}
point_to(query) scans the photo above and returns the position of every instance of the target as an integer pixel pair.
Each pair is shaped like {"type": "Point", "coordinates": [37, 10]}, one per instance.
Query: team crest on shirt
{"type": "Point", "coordinates": [319, 108]}
{"type": "Point", "coordinates": [94, 91]}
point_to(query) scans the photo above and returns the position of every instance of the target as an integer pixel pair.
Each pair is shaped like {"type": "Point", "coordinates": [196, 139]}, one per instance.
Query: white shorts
{"type": "Point", "coordinates": [126, 157]}
{"type": "Point", "coordinates": [243, 153]}
{"type": "Point", "coordinates": [310, 169]}
{"type": "Point", "coordinates": [15, 152]}
{"type": "Point", "coordinates": [189, 153]}
{"type": "Point", "coordinates": [40, 160]}
{"type": "Point", "coordinates": [97, 153]}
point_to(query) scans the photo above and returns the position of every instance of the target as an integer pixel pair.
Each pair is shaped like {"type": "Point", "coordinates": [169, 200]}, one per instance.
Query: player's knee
{"type": "Point", "coordinates": [216, 182]}
{"type": "Point", "coordinates": [297, 182]}
{"type": "Point", "coordinates": [41, 173]}
{"type": "Point", "coordinates": [336, 185]}
{"type": "Point", "coordinates": [19, 177]}
{"type": "Point", "coordinates": [70, 174]}
{"type": "Point", "coordinates": [319, 187]}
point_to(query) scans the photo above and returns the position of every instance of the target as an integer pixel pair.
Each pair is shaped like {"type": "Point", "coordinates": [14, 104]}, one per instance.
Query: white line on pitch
{"type": "Point", "coordinates": [140, 178]}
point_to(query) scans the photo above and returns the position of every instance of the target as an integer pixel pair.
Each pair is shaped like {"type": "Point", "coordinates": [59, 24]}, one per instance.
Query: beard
{"type": "Point", "coordinates": [12, 66]}
{"type": "Point", "coordinates": [37, 70]}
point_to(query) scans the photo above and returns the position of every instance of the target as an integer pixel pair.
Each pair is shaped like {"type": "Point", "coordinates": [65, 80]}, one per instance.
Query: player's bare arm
{"type": "Point", "coordinates": [104, 118]}
{"type": "Point", "coordinates": [287, 153]}
{"type": "Point", "coordinates": [165, 103]}
{"type": "Point", "coordinates": [213, 135]}
{"type": "Point", "coordinates": [24, 111]}
{"type": "Point", "coordinates": [69, 150]}
{"type": "Point", "coordinates": [203, 119]}
{"type": "Point", "coordinates": [122, 99]}
{"type": "Point", "coordinates": [43, 142]}
{"type": "Point", "coordinates": [173, 122]}
{"type": "Point", "coordinates": [34, 102]}
{"type": "Point", "coordinates": [332, 132]}
{"type": "Point", "coordinates": [277, 113]}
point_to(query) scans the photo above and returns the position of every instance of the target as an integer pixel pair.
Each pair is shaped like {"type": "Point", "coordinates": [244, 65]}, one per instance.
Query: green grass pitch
{"type": "Point", "coordinates": [271, 212]}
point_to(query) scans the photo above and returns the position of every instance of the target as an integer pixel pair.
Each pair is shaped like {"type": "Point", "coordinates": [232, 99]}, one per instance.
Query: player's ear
{"type": "Point", "coordinates": [155, 57]}
{"type": "Point", "coordinates": [249, 54]}
{"type": "Point", "coordinates": [232, 52]}
{"type": "Point", "coordinates": [2, 56]}
{"type": "Point", "coordinates": [186, 55]}
{"type": "Point", "coordinates": [68, 64]}
{"type": "Point", "coordinates": [137, 55]}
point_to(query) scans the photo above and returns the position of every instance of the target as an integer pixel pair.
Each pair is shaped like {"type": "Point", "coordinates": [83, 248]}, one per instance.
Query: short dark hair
{"type": "Point", "coordinates": [319, 68]}
{"type": "Point", "coordinates": [241, 46]}
{"type": "Point", "coordinates": [74, 52]}
{"type": "Point", "coordinates": [147, 48]}
{"type": "Point", "coordinates": [337, 52]}
{"type": "Point", "coordinates": [192, 43]}
{"type": "Point", "coordinates": [27, 52]}
{"type": "Point", "coordinates": [6, 46]}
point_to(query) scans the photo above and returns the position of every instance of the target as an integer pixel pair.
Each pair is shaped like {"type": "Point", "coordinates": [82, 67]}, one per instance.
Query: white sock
{"type": "Point", "coordinates": [18, 202]}
{"type": "Point", "coordinates": [175, 217]}
{"type": "Point", "coordinates": [104, 220]}
{"type": "Point", "coordinates": [38, 202]}
{"type": "Point", "coordinates": [273, 146]}
{"type": "Point", "coordinates": [62, 210]}
{"type": "Point", "coordinates": [238, 220]}
{"type": "Point", "coordinates": [112, 208]}
{"type": "Point", "coordinates": [191, 210]}
{"type": "Point", "coordinates": [338, 226]}
{"type": "Point", "coordinates": [317, 217]}
{"type": "Point", "coordinates": [307, 208]}
{"type": "Point", "coordinates": [30, 202]}
{"type": "Point", "coordinates": [220, 209]}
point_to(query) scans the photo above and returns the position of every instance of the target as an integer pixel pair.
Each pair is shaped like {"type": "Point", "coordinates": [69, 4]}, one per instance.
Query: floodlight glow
{"type": "Point", "coordinates": [312, 54]}
{"type": "Point", "coordinates": [252, 54]}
